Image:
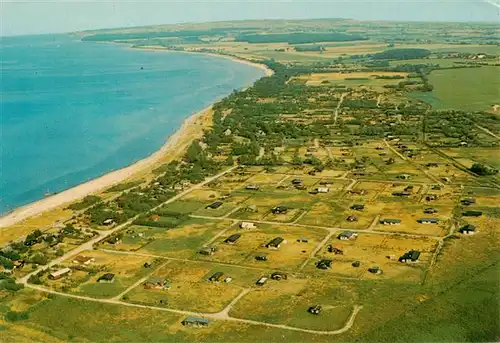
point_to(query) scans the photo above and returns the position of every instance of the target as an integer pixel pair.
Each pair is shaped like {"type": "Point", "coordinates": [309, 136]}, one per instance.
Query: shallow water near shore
{"type": "Point", "coordinates": [72, 111]}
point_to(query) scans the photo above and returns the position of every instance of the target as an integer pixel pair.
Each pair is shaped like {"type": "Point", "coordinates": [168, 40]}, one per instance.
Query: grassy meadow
{"type": "Point", "coordinates": [475, 89]}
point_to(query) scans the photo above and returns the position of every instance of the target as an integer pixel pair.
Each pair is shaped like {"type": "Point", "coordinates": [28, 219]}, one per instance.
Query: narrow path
{"type": "Point", "coordinates": [299, 217]}
{"type": "Point", "coordinates": [316, 143]}
{"type": "Point", "coordinates": [394, 150]}
{"type": "Point", "coordinates": [327, 228]}
{"type": "Point", "coordinates": [328, 152]}
{"type": "Point", "coordinates": [374, 223]}
{"type": "Point", "coordinates": [351, 185]}
{"type": "Point", "coordinates": [487, 131]}
{"type": "Point", "coordinates": [416, 165]}
{"type": "Point", "coordinates": [134, 253]}
{"type": "Point", "coordinates": [224, 314]}
{"type": "Point", "coordinates": [343, 176]}
{"type": "Point", "coordinates": [216, 237]}
{"type": "Point", "coordinates": [216, 316]}
{"type": "Point", "coordinates": [318, 248]}
{"type": "Point", "coordinates": [337, 109]}
{"type": "Point", "coordinates": [103, 234]}
{"type": "Point", "coordinates": [140, 281]}
{"type": "Point", "coordinates": [267, 222]}
{"type": "Point", "coordinates": [231, 212]}
{"type": "Point", "coordinates": [283, 179]}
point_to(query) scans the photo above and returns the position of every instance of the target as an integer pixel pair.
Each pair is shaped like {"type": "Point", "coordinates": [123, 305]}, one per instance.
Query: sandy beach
{"type": "Point", "coordinates": [176, 143]}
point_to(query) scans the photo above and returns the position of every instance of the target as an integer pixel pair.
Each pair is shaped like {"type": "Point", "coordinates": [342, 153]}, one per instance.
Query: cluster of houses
{"type": "Point", "coordinates": [58, 274]}
{"type": "Point", "coordinates": [298, 184]}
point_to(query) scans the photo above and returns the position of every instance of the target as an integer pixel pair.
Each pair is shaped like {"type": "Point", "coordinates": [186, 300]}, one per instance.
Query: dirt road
{"type": "Point", "coordinates": [223, 315]}
{"type": "Point", "coordinates": [103, 234]}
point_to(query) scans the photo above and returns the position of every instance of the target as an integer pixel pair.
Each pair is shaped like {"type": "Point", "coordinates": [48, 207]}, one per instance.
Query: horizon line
{"type": "Point", "coordinates": [243, 20]}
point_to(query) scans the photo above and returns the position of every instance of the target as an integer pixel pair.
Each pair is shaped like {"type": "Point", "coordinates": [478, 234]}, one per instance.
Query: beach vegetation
{"type": "Point", "coordinates": [88, 201]}
{"type": "Point", "coordinates": [123, 186]}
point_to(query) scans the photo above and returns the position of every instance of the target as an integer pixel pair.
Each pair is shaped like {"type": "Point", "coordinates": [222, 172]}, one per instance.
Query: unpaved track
{"type": "Point", "coordinates": [487, 131]}
{"type": "Point", "coordinates": [215, 316]}
{"type": "Point", "coordinates": [103, 234]}
{"type": "Point", "coordinates": [338, 108]}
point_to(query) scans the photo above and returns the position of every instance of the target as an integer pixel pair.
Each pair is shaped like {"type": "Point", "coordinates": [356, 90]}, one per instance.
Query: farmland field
{"type": "Point", "coordinates": [477, 89]}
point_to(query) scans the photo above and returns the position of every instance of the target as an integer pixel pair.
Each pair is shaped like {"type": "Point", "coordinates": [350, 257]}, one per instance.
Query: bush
{"type": "Point", "coordinates": [481, 169]}
{"type": "Point", "coordinates": [10, 285]}
{"type": "Point", "coordinates": [6, 263]}
{"type": "Point", "coordinates": [86, 202]}
{"type": "Point", "coordinates": [39, 258]}
{"type": "Point", "coordinates": [35, 279]}
{"type": "Point", "coordinates": [12, 316]}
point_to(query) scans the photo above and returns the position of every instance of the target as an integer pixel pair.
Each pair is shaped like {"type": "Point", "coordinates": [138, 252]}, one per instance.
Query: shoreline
{"type": "Point", "coordinates": [268, 71]}
{"type": "Point", "coordinates": [173, 143]}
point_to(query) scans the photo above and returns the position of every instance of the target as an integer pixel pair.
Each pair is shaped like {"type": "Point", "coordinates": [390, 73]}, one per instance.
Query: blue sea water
{"type": "Point", "coordinates": [72, 111]}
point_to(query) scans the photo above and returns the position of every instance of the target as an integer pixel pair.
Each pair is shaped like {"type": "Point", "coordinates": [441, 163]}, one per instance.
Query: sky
{"type": "Point", "coordinates": [20, 17]}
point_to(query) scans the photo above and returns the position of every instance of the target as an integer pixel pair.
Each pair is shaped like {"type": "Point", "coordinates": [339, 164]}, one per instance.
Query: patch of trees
{"type": "Point", "coordinates": [101, 212]}
{"type": "Point", "coordinates": [377, 64]}
{"type": "Point", "coordinates": [6, 262]}
{"type": "Point", "coordinates": [39, 258]}
{"type": "Point", "coordinates": [298, 37]}
{"type": "Point", "coordinates": [304, 48]}
{"type": "Point", "coordinates": [359, 103]}
{"type": "Point", "coordinates": [482, 170]}
{"type": "Point", "coordinates": [13, 316]}
{"type": "Point", "coordinates": [389, 77]}
{"type": "Point", "coordinates": [88, 201]}
{"type": "Point", "coordinates": [33, 238]}
{"type": "Point", "coordinates": [8, 283]}
{"type": "Point", "coordinates": [402, 54]}
{"type": "Point", "coordinates": [251, 148]}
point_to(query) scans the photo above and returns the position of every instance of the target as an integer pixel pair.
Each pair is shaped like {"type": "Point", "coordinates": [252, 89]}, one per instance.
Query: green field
{"type": "Point", "coordinates": [473, 89]}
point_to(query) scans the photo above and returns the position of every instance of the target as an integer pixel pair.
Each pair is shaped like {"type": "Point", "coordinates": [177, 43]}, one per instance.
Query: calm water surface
{"type": "Point", "coordinates": [72, 111]}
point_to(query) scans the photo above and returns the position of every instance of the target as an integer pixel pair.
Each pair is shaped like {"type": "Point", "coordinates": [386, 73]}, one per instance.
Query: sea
{"type": "Point", "coordinates": [71, 111]}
